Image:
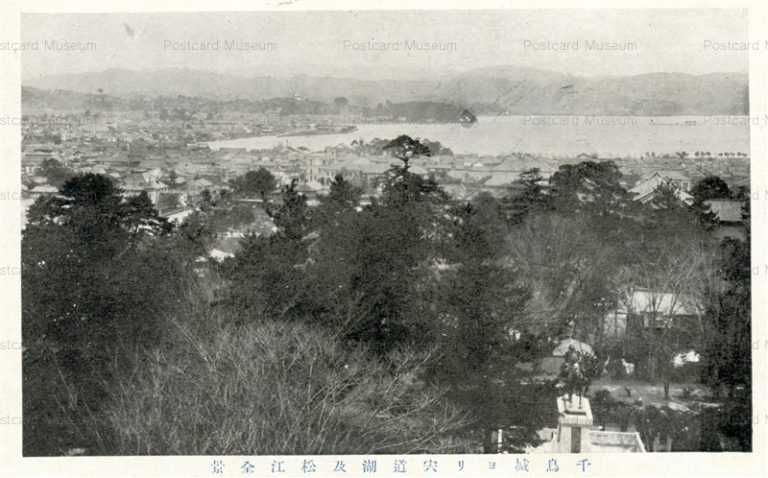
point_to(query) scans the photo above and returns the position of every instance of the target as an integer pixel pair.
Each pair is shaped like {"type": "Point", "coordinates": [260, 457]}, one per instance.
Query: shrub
{"type": "Point", "coordinates": [277, 388]}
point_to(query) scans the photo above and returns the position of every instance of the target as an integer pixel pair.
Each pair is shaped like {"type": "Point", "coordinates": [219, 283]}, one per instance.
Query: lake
{"type": "Point", "coordinates": [549, 135]}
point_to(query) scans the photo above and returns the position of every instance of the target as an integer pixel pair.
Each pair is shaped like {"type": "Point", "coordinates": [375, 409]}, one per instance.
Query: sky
{"type": "Point", "coordinates": [369, 44]}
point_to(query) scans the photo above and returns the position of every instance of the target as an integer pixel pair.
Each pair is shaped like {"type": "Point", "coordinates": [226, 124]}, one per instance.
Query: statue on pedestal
{"type": "Point", "coordinates": [573, 374]}
{"type": "Point", "coordinates": [577, 364]}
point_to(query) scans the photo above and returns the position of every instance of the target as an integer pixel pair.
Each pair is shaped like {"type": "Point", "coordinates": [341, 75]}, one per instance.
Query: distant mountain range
{"type": "Point", "coordinates": [509, 89]}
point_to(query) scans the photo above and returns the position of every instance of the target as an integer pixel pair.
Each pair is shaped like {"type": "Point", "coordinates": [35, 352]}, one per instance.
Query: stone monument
{"type": "Point", "coordinates": [574, 425]}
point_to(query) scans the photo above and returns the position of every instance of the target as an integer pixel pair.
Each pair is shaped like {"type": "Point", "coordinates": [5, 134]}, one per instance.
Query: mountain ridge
{"type": "Point", "coordinates": [501, 89]}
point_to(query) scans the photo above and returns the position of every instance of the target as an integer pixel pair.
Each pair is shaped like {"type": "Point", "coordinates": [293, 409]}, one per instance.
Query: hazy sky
{"type": "Point", "coordinates": [371, 44]}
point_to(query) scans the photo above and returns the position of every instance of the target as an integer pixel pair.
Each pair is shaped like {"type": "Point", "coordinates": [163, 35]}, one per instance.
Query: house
{"type": "Point", "coordinates": [171, 200]}
{"type": "Point", "coordinates": [459, 191]}
{"type": "Point", "coordinates": [651, 308]}
{"type": "Point", "coordinates": [729, 216]}
{"type": "Point", "coordinates": [32, 159]}
{"type": "Point", "coordinates": [38, 180]}
{"type": "Point", "coordinates": [362, 172]}
{"type": "Point", "coordinates": [310, 190]}
{"type": "Point", "coordinates": [135, 183]}
{"type": "Point", "coordinates": [648, 315]}
{"type": "Point", "coordinates": [199, 184]}
{"type": "Point", "coordinates": [43, 190]}
{"type": "Point", "coordinates": [501, 180]}
{"type": "Point", "coordinates": [645, 189]}
{"type": "Point", "coordinates": [658, 308]}
{"type": "Point", "coordinates": [177, 216]}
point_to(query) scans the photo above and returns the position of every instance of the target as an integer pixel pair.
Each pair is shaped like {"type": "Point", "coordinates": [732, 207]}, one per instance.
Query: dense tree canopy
{"type": "Point", "coordinates": [259, 183]}
{"type": "Point", "coordinates": [710, 187]}
{"type": "Point", "coordinates": [55, 172]}
{"type": "Point", "coordinates": [98, 277]}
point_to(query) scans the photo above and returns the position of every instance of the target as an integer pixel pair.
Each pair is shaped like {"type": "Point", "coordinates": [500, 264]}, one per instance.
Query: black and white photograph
{"type": "Point", "coordinates": [289, 233]}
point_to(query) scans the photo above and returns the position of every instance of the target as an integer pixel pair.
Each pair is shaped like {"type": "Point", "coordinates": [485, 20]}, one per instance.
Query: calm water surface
{"type": "Point", "coordinates": [552, 135]}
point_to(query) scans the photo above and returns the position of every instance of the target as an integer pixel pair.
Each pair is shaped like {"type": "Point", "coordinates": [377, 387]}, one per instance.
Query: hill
{"type": "Point", "coordinates": [507, 89]}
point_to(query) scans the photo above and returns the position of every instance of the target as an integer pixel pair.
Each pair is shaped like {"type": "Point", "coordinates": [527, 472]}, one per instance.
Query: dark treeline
{"type": "Point", "coordinates": [390, 327]}
{"type": "Point", "coordinates": [188, 108]}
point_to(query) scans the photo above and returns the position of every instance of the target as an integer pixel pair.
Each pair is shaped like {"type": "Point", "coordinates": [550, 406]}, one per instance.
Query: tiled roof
{"type": "Point", "coordinates": [662, 303]}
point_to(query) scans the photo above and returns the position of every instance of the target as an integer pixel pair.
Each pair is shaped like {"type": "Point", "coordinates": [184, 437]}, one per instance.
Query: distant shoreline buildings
{"type": "Point", "coordinates": [171, 160]}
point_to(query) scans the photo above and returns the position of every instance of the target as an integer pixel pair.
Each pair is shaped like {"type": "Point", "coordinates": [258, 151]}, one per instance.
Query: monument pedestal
{"type": "Point", "coordinates": [574, 424]}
